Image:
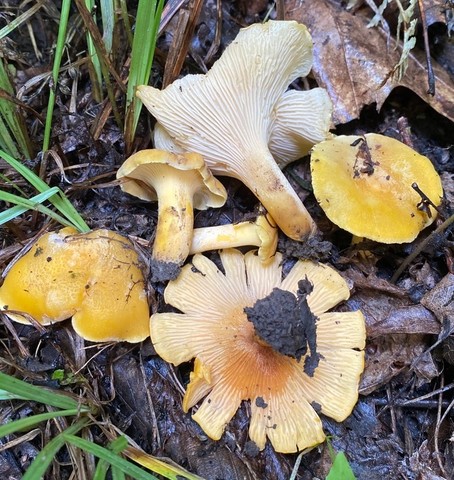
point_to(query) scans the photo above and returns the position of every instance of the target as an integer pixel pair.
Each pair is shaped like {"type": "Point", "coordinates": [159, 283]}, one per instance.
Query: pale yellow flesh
{"type": "Point", "coordinates": [231, 365]}
{"type": "Point", "coordinates": [266, 180]}
{"type": "Point", "coordinates": [381, 206]}
{"type": "Point", "coordinates": [261, 233]}
{"type": "Point", "coordinates": [175, 220]}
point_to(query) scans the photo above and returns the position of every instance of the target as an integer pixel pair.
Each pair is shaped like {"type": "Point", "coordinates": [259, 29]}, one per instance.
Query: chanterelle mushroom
{"type": "Point", "coordinates": [180, 183]}
{"type": "Point", "coordinates": [369, 186]}
{"type": "Point", "coordinates": [228, 115]}
{"type": "Point", "coordinates": [258, 337]}
{"type": "Point", "coordinates": [94, 277]}
{"type": "Point", "coordinates": [261, 233]}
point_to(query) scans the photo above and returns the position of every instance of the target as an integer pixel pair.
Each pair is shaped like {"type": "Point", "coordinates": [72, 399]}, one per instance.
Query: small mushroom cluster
{"type": "Point", "coordinates": [256, 334]}
{"type": "Point", "coordinates": [245, 124]}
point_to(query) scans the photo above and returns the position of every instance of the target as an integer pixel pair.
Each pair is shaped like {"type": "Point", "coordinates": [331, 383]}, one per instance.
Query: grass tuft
{"type": "Point", "coordinates": [84, 416]}
{"type": "Point", "coordinates": [69, 215]}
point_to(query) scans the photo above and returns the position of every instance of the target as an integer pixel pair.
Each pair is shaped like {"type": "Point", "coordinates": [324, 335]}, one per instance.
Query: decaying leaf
{"type": "Point", "coordinates": [356, 64]}
{"type": "Point", "coordinates": [397, 332]}
{"type": "Point", "coordinates": [423, 463]}
{"type": "Point", "coordinates": [387, 308]}
{"type": "Point", "coordinates": [392, 355]}
{"type": "Point", "coordinates": [440, 300]}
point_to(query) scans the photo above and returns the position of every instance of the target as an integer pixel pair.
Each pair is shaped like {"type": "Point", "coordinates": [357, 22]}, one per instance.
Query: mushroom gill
{"type": "Point", "coordinates": [228, 115]}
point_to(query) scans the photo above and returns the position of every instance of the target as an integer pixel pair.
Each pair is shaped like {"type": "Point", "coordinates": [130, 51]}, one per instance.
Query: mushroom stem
{"type": "Point", "coordinates": [173, 230]}
{"type": "Point", "coordinates": [266, 180]}
{"type": "Point", "coordinates": [224, 236]}
{"type": "Point", "coordinates": [261, 233]}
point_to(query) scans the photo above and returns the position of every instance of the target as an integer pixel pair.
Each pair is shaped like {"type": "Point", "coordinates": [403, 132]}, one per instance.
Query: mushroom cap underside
{"type": "Point", "coordinates": [145, 172]}
{"type": "Point", "coordinates": [232, 365]}
{"type": "Point", "coordinates": [226, 115]}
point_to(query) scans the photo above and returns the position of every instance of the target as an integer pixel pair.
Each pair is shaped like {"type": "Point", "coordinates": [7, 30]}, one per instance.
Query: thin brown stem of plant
{"type": "Point", "coordinates": [430, 72]}
{"type": "Point", "coordinates": [391, 410]}
{"type": "Point", "coordinates": [420, 247]}
{"type": "Point", "coordinates": [440, 419]}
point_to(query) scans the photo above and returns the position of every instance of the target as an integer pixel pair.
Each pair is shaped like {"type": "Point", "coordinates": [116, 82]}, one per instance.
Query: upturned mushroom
{"type": "Point", "coordinates": [303, 119]}
{"type": "Point", "coordinates": [94, 277]}
{"type": "Point", "coordinates": [179, 183]}
{"type": "Point", "coordinates": [375, 187]}
{"type": "Point", "coordinates": [261, 233]}
{"type": "Point", "coordinates": [272, 341]}
{"type": "Point", "coordinates": [228, 115]}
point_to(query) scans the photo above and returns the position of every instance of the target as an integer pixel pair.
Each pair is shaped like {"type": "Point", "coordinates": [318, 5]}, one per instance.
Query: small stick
{"type": "Point", "coordinates": [423, 205]}
{"type": "Point", "coordinates": [430, 72]}
{"type": "Point", "coordinates": [439, 230]}
{"type": "Point", "coordinates": [437, 430]}
{"type": "Point", "coordinates": [280, 10]}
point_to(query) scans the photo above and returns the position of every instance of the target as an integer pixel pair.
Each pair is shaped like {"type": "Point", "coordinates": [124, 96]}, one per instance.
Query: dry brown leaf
{"type": "Point", "coordinates": [423, 463]}
{"type": "Point", "coordinates": [387, 309]}
{"type": "Point", "coordinates": [392, 355]}
{"type": "Point", "coordinates": [355, 63]}
{"type": "Point", "coordinates": [396, 330]}
{"type": "Point", "coordinates": [440, 300]}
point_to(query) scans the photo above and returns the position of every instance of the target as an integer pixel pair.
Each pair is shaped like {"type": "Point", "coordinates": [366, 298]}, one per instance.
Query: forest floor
{"type": "Point", "coordinates": [402, 426]}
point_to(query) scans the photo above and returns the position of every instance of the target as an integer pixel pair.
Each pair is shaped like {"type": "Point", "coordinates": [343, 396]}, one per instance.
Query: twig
{"type": "Point", "coordinates": [391, 410]}
{"type": "Point", "coordinates": [420, 247]}
{"type": "Point", "coordinates": [217, 36]}
{"type": "Point", "coordinates": [296, 466]}
{"type": "Point", "coordinates": [280, 10]}
{"type": "Point", "coordinates": [437, 431]}
{"type": "Point", "coordinates": [430, 72]}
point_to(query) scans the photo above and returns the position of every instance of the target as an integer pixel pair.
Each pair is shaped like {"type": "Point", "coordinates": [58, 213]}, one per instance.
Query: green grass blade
{"type": "Point", "coordinates": [5, 395]}
{"type": "Point", "coordinates": [12, 116]}
{"type": "Point", "coordinates": [30, 176]}
{"type": "Point", "coordinates": [27, 391]}
{"type": "Point", "coordinates": [95, 68]}
{"type": "Point", "coordinates": [116, 461]}
{"type": "Point", "coordinates": [108, 22]}
{"type": "Point", "coordinates": [6, 140]}
{"type": "Point", "coordinates": [14, 212]}
{"type": "Point", "coordinates": [116, 446]}
{"type": "Point", "coordinates": [117, 474]}
{"type": "Point", "coordinates": [127, 24]}
{"type": "Point", "coordinates": [5, 31]}
{"type": "Point", "coordinates": [41, 463]}
{"type": "Point", "coordinates": [12, 184]}
{"type": "Point", "coordinates": [143, 47]}
{"type": "Point", "coordinates": [60, 202]}
{"type": "Point", "coordinates": [106, 65]}
{"type": "Point", "coordinates": [26, 204]}
{"type": "Point", "coordinates": [64, 15]}
{"type": "Point", "coordinates": [29, 422]}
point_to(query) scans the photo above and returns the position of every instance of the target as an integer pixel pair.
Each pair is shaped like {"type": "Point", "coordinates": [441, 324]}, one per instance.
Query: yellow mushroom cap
{"type": "Point", "coordinates": [146, 169]}
{"type": "Point", "coordinates": [232, 364]}
{"type": "Point", "coordinates": [94, 277]}
{"type": "Point", "coordinates": [364, 185]}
